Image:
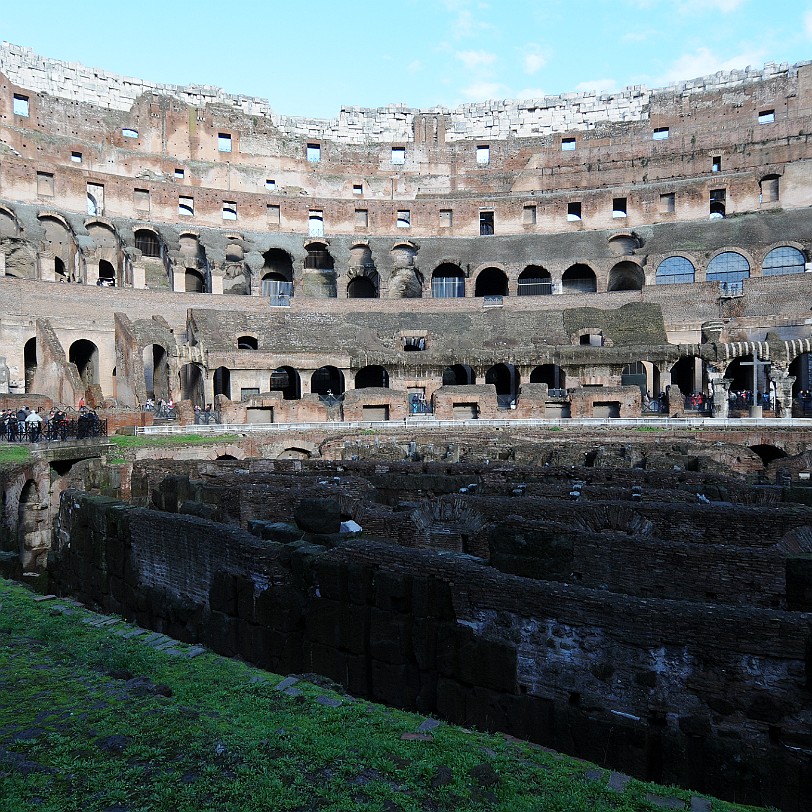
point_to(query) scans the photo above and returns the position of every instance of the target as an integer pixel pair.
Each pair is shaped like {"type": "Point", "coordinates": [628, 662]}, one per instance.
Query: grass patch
{"type": "Point", "coordinates": [124, 441]}
{"type": "Point", "coordinates": [76, 735]}
{"type": "Point", "coordinates": [14, 454]}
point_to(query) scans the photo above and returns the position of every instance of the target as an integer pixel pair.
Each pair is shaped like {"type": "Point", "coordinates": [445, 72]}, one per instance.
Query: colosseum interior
{"type": "Point", "coordinates": [383, 286]}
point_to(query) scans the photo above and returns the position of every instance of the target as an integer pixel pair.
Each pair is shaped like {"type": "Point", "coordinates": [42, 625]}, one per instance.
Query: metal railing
{"type": "Point", "coordinates": [81, 428]}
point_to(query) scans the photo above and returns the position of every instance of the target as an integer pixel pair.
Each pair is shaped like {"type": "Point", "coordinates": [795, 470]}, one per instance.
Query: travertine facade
{"type": "Point", "coordinates": [646, 238]}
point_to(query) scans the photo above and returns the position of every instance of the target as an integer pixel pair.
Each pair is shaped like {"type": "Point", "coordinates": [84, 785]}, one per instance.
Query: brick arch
{"type": "Point", "coordinates": [223, 450]}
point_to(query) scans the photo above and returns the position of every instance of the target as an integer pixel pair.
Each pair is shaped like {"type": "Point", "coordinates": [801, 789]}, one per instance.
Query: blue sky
{"type": "Point", "coordinates": [312, 57]}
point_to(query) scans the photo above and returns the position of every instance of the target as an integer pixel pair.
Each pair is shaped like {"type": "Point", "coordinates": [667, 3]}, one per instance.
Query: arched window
{"type": "Point", "coordinates": [626, 276]}
{"type": "Point", "coordinates": [195, 283]}
{"type": "Point", "coordinates": [675, 271]}
{"type": "Point", "coordinates": [728, 267]}
{"type": "Point", "coordinates": [535, 281]}
{"type": "Point", "coordinates": [361, 287]}
{"type": "Point", "coordinates": [286, 380]}
{"type": "Point", "coordinates": [372, 376]}
{"type": "Point", "coordinates": [579, 279]}
{"type": "Point", "coordinates": [247, 343]}
{"type": "Point", "coordinates": [327, 381]}
{"type": "Point", "coordinates": [448, 282]}
{"type": "Point", "coordinates": [147, 243]}
{"type": "Point", "coordinates": [783, 261]}
{"type": "Point", "coordinates": [459, 375]}
{"type": "Point", "coordinates": [491, 282]}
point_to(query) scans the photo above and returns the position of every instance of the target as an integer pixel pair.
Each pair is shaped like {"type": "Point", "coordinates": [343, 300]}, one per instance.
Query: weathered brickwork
{"type": "Point", "coordinates": [523, 228]}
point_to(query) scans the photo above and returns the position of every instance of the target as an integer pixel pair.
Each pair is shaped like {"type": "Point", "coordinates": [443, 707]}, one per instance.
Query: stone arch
{"type": "Point", "coordinates": [286, 380]}
{"type": "Point", "coordinates": [107, 274]}
{"type": "Point", "coordinates": [551, 374]}
{"type": "Point", "coordinates": [362, 287]}
{"type": "Point", "coordinates": [372, 376]}
{"type": "Point", "coordinates": [85, 355]}
{"type": "Point", "coordinates": [277, 265]}
{"type": "Point", "coordinates": [9, 225]}
{"type": "Point", "coordinates": [318, 256]}
{"type": "Point", "coordinates": [227, 452]}
{"type": "Point", "coordinates": [784, 260]}
{"type": "Point", "coordinates": [30, 362]}
{"type": "Point", "coordinates": [221, 382]}
{"type": "Point", "coordinates": [405, 281]}
{"type": "Point", "coordinates": [579, 278]}
{"type": "Point", "coordinates": [728, 266]}
{"type": "Point", "coordinates": [690, 374]}
{"type": "Point", "coordinates": [247, 342]}
{"type": "Point", "coordinates": [801, 368]}
{"type": "Point", "coordinates": [295, 453]}
{"type": "Point", "coordinates": [459, 375]}
{"type": "Point", "coordinates": [194, 281]}
{"type": "Point", "coordinates": [326, 380]}
{"type": "Point", "coordinates": [449, 523]}
{"type": "Point", "coordinates": [491, 281]}
{"type": "Point", "coordinates": [674, 270]}
{"type": "Point", "coordinates": [626, 275]}
{"type": "Point", "coordinates": [148, 241]}
{"type": "Point", "coordinates": [235, 252]}
{"type": "Point", "coordinates": [767, 452]}
{"type": "Point", "coordinates": [155, 358]}
{"type": "Point", "coordinates": [535, 281]}
{"type": "Point", "coordinates": [33, 527]}
{"type": "Point", "coordinates": [617, 518]}
{"type": "Point", "coordinates": [60, 242]}
{"type": "Point", "coordinates": [447, 281]}
{"type": "Point", "coordinates": [505, 377]}
{"type": "Point", "coordinates": [623, 243]}
{"type": "Point", "coordinates": [190, 379]}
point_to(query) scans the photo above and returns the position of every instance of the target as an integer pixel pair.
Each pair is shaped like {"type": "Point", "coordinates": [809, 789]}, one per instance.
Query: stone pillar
{"type": "Point", "coordinates": [216, 281]}
{"type": "Point", "coordinates": [783, 390]}
{"type": "Point", "coordinates": [2, 264]}
{"type": "Point", "coordinates": [139, 277]}
{"type": "Point", "coordinates": [91, 271]}
{"type": "Point", "coordinates": [721, 388]}
{"type": "Point", "coordinates": [47, 272]}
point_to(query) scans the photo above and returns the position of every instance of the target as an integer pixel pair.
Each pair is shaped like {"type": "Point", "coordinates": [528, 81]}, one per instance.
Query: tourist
{"type": "Point", "coordinates": [33, 424]}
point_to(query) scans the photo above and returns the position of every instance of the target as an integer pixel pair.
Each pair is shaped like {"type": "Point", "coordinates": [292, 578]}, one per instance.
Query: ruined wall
{"type": "Point", "coordinates": [678, 688]}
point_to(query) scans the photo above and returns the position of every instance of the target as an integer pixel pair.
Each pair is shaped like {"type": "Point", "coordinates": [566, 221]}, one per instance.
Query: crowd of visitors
{"type": "Point", "coordinates": [28, 425]}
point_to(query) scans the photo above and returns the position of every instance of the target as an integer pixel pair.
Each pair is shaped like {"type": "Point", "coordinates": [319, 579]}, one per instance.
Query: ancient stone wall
{"type": "Point", "coordinates": [678, 687]}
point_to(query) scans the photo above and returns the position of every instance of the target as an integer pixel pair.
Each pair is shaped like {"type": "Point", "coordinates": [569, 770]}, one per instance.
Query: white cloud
{"type": "Point", "coordinates": [703, 62]}
{"type": "Point", "coordinates": [723, 6]}
{"type": "Point", "coordinates": [474, 60]}
{"type": "Point", "coordinates": [533, 59]}
{"type": "Point", "coordinates": [482, 91]}
{"type": "Point", "coordinates": [597, 86]}
{"type": "Point", "coordinates": [530, 93]}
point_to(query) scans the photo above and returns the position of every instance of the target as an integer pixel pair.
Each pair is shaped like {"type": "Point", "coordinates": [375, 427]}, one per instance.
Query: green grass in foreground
{"type": "Point", "coordinates": [74, 737]}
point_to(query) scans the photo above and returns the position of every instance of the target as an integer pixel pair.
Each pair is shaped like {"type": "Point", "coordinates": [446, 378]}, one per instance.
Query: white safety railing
{"type": "Point", "coordinates": [424, 422]}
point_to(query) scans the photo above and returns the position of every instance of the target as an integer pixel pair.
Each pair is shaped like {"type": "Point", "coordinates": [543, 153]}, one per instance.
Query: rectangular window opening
{"type": "Point", "coordinates": [668, 203]}
{"type": "Point", "coordinates": [45, 184]}
{"type": "Point", "coordinates": [357, 188]}
{"type": "Point", "coordinates": [270, 185]}
{"type": "Point", "coordinates": [619, 208]}
{"type": "Point", "coordinates": [95, 199]}
{"type": "Point", "coordinates": [398, 155]}
{"type": "Point", "coordinates": [314, 153]}
{"type": "Point", "coordinates": [486, 223]}
{"type": "Point", "coordinates": [141, 199]}
{"type": "Point", "coordinates": [20, 105]}
{"type": "Point", "coordinates": [274, 215]}
{"type": "Point", "coordinates": [769, 189]}
{"type": "Point", "coordinates": [574, 211]}
{"type": "Point", "coordinates": [404, 218]}
{"type": "Point", "coordinates": [661, 133]}
{"type": "Point", "coordinates": [766, 117]}
{"type": "Point", "coordinates": [128, 132]}
{"type": "Point", "coordinates": [229, 210]}
{"type": "Point", "coordinates": [529, 215]}
{"type": "Point", "coordinates": [446, 218]}
{"type": "Point", "coordinates": [716, 163]}
{"type": "Point", "coordinates": [223, 142]}
{"type": "Point", "coordinates": [186, 206]}
{"type": "Point", "coordinates": [567, 144]}
{"type": "Point", "coordinates": [483, 155]}
{"type": "Point", "coordinates": [315, 223]}
{"type": "Point", "coordinates": [179, 174]}
{"type": "Point", "coordinates": [361, 218]}
{"type": "Point", "coordinates": [76, 157]}
{"type": "Point", "coordinates": [717, 203]}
